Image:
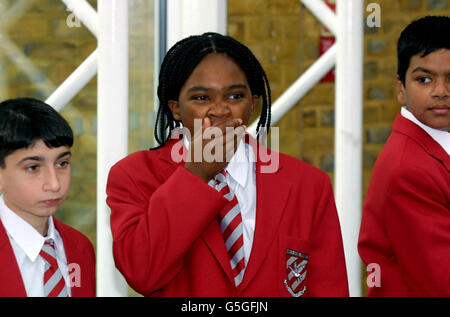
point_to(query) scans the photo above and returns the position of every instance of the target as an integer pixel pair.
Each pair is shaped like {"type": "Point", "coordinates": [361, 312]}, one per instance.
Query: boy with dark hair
{"type": "Point", "coordinates": [405, 230]}
{"type": "Point", "coordinates": [39, 255]}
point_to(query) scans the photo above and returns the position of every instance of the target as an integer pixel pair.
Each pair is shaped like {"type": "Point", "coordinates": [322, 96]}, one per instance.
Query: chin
{"type": "Point", "coordinates": [443, 126]}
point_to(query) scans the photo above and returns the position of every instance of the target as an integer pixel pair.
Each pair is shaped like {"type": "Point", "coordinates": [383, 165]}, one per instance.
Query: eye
{"type": "Point", "coordinates": [236, 96]}
{"type": "Point", "coordinates": [424, 80]}
{"type": "Point", "coordinates": [32, 168]}
{"type": "Point", "coordinates": [62, 164]}
{"type": "Point", "coordinates": [200, 97]}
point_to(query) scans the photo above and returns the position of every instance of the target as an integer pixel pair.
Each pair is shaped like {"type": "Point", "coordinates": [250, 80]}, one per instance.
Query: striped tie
{"type": "Point", "coordinates": [54, 284]}
{"type": "Point", "coordinates": [231, 226]}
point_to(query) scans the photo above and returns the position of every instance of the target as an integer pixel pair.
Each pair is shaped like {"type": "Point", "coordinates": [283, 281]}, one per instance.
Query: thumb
{"type": "Point", "coordinates": [206, 123]}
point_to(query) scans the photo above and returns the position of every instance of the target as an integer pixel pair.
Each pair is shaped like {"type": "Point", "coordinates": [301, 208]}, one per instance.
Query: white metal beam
{"type": "Point", "coordinates": [192, 17]}
{"type": "Point", "coordinates": [74, 83]}
{"type": "Point", "coordinates": [348, 132]}
{"type": "Point", "coordinates": [325, 15]}
{"type": "Point", "coordinates": [83, 11]}
{"type": "Point", "coordinates": [300, 87]}
{"type": "Point", "coordinates": [112, 132]}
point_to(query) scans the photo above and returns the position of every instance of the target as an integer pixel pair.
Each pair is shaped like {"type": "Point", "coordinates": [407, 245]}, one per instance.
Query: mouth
{"type": "Point", "coordinates": [440, 109]}
{"type": "Point", "coordinates": [52, 202]}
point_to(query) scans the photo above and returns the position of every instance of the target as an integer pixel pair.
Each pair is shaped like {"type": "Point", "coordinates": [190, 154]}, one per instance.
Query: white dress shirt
{"type": "Point", "coordinates": [441, 137]}
{"type": "Point", "coordinates": [241, 179]}
{"type": "Point", "coordinates": [27, 243]}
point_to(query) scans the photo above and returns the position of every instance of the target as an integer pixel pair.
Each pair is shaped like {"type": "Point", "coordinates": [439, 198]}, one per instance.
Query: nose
{"type": "Point", "coordinates": [441, 89]}
{"type": "Point", "coordinates": [219, 109]}
{"type": "Point", "coordinates": [51, 180]}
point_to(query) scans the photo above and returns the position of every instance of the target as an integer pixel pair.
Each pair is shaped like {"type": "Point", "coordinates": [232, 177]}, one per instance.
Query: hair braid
{"type": "Point", "coordinates": [181, 60]}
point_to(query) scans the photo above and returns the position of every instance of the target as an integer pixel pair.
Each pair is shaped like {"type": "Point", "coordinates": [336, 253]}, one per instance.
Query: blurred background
{"type": "Point", "coordinates": [41, 45]}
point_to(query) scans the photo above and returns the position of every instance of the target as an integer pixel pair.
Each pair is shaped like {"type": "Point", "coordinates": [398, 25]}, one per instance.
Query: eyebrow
{"type": "Point", "coordinates": [41, 159]}
{"type": "Point", "coordinates": [198, 88]}
{"type": "Point", "coordinates": [427, 71]}
{"type": "Point", "coordinates": [423, 70]}
{"type": "Point", "coordinates": [205, 89]}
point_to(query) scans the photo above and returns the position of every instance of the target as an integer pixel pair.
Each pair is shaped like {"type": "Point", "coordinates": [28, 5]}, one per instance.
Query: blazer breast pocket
{"type": "Point", "coordinates": [293, 266]}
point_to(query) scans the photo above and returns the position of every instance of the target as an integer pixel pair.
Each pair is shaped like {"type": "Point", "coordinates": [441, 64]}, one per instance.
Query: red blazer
{"type": "Point", "coordinates": [167, 240]}
{"type": "Point", "coordinates": [78, 250]}
{"type": "Point", "coordinates": [406, 219]}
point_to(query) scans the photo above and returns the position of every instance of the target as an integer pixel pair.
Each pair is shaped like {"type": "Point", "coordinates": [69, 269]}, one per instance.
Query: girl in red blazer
{"type": "Point", "coordinates": [211, 215]}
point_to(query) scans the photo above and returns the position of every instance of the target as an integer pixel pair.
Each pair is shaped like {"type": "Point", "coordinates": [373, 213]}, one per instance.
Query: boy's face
{"type": "Point", "coordinates": [217, 89]}
{"type": "Point", "coordinates": [426, 92]}
{"type": "Point", "coordinates": [35, 181]}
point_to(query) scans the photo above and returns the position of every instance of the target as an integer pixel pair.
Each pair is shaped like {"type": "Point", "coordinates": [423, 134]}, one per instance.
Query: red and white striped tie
{"type": "Point", "coordinates": [54, 283]}
{"type": "Point", "coordinates": [231, 226]}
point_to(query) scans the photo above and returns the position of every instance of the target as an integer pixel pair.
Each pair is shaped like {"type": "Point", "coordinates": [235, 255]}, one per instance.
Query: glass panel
{"type": "Point", "coordinates": [141, 71]}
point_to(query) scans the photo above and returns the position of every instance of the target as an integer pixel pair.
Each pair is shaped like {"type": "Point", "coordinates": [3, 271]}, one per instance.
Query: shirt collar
{"type": "Point", "coordinates": [441, 137]}
{"type": "Point", "coordinates": [238, 166]}
{"type": "Point", "coordinates": [25, 236]}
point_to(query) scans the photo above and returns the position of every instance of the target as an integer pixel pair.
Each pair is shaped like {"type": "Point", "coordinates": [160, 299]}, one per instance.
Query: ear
{"type": "Point", "coordinates": [401, 94]}
{"type": "Point", "coordinates": [175, 108]}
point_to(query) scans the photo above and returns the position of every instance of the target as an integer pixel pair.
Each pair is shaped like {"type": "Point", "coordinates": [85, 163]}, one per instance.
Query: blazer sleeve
{"type": "Point", "coordinates": [417, 218]}
{"type": "Point", "coordinates": [327, 273]}
{"type": "Point", "coordinates": [152, 231]}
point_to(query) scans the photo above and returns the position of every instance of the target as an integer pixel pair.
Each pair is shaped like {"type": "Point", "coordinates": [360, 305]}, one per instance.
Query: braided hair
{"type": "Point", "coordinates": [181, 60]}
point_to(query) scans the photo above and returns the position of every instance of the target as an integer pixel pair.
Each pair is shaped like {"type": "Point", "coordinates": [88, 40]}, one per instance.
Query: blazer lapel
{"type": "Point", "coordinates": [420, 136]}
{"type": "Point", "coordinates": [70, 248]}
{"type": "Point", "coordinates": [272, 194]}
{"type": "Point", "coordinates": [11, 283]}
{"type": "Point", "coordinates": [213, 238]}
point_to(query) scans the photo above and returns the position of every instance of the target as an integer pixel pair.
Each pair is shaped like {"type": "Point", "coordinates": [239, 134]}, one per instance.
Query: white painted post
{"type": "Point", "coordinates": [348, 132]}
{"type": "Point", "coordinates": [112, 129]}
{"type": "Point", "coordinates": [192, 17]}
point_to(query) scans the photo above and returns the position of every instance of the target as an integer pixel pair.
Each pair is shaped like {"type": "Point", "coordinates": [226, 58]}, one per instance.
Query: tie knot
{"type": "Point", "coordinates": [219, 180]}
{"type": "Point", "coordinates": [50, 242]}
{"type": "Point", "coordinates": [48, 252]}
{"type": "Point", "coordinates": [221, 177]}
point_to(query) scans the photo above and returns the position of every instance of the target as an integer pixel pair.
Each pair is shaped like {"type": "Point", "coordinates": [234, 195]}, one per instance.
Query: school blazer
{"type": "Point", "coordinates": [405, 225]}
{"type": "Point", "coordinates": [78, 250]}
{"type": "Point", "coordinates": [167, 240]}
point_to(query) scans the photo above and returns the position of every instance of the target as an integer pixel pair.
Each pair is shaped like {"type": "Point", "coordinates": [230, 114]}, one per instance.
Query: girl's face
{"type": "Point", "coordinates": [217, 89]}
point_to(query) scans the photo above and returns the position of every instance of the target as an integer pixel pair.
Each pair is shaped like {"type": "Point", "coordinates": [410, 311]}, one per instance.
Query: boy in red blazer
{"type": "Point", "coordinates": [39, 255]}
{"type": "Point", "coordinates": [234, 224]}
{"type": "Point", "coordinates": [405, 230]}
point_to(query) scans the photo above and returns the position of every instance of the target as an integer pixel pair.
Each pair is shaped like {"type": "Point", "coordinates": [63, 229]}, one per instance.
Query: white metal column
{"type": "Point", "coordinates": [348, 132]}
{"type": "Point", "coordinates": [112, 131]}
{"type": "Point", "coordinates": [192, 17]}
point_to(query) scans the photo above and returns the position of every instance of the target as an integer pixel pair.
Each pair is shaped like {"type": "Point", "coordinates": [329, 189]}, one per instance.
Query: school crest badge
{"type": "Point", "coordinates": [296, 272]}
